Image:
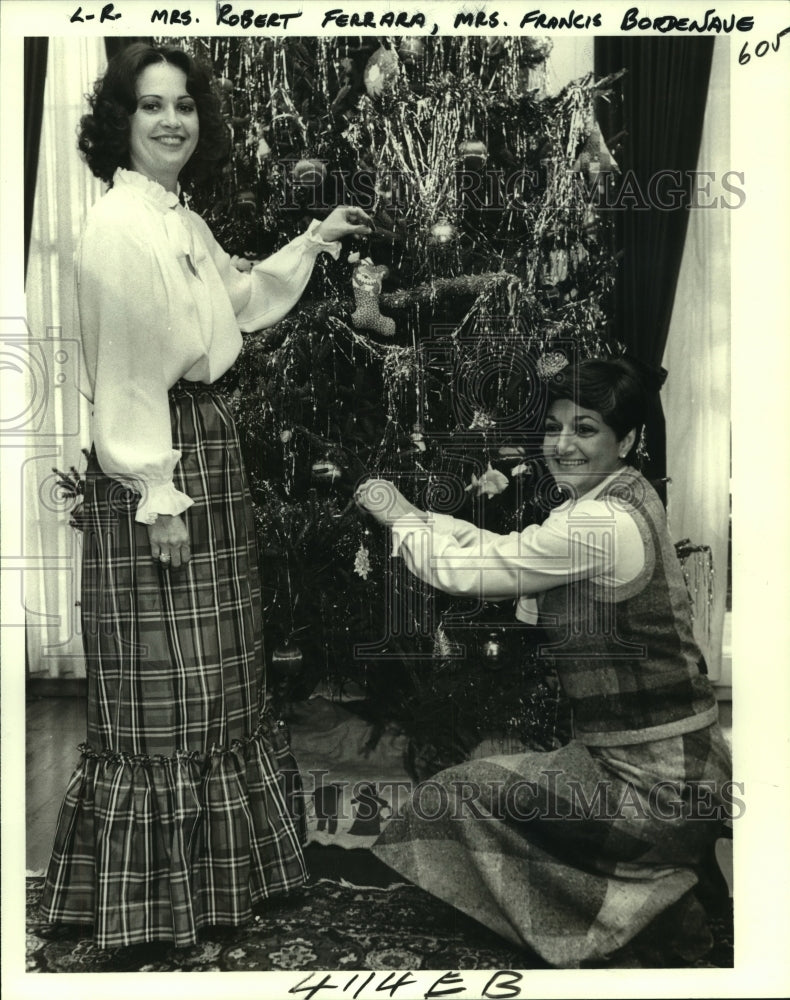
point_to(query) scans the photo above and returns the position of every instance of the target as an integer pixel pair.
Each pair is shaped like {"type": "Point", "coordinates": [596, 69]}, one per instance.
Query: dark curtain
{"type": "Point", "coordinates": [35, 79]}
{"type": "Point", "coordinates": [659, 125]}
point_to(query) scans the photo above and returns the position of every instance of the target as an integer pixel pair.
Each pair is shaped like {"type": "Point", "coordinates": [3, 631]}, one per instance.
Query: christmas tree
{"type": "Point", "coordinates": [420, 356]}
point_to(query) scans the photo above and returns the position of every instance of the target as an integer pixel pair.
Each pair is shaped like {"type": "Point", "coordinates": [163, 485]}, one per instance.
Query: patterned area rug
{"type": "Point", "coordinates": [331, 926]}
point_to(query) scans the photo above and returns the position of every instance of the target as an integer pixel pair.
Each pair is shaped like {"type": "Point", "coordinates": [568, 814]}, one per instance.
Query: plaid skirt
{"type": "Point", "coordinates": [186, 807]}
{"type": "Point", "coordinates": [571, 852]}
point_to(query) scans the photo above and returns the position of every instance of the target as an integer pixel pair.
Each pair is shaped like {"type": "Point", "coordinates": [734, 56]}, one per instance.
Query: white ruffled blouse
{"type": "Point", "coordinates": [157, 299]}
{"type": "Point", "coordinates": [588, 538]}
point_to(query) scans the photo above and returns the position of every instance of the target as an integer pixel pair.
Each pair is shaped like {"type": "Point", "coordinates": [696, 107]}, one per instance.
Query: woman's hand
{"type": "Point", "coordinates": [384, 502]}
{"type": "Point", "coordinates": [344, 221]}
{"type": "Point", "coordinates": [169, 540]}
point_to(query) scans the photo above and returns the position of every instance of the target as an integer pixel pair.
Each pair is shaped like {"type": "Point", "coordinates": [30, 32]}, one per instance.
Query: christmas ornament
{"type": "Point", "coordinates": [493, 652]}
{"type": "Point", "coordinates": [362, 561]}
{"type": "Point", "coordinates": [246, 200]}
{"type": "Point", "coordinates": [555, 268]}
{"type": "Point", "coordinates": [578, 255]}
{"type": "Point", "coordinates": [411, 49]}
{"type": "Point", "coordinates": [325, 471]}
{"type": "Point", "coordinates": [473, 152]}
{"type": "Point", "coordinates": [595, 158]}
{"type": "Point", "coordinates": [482, 421]}
{"type": "Point", "coordinates": [387, 188]}
{"type": "Point", "coordinates": [550, 364]}
{"type": "Point", "coordinates": [491, 482]}
{"type": "Point", "coordinates": [417, 437]}
{"type": "Point", "coordinates": [590, 219]}
{"type": "Point", "coordinates": [520, 469]}
{"type": "Point", "coordinates": [287, 660]}
{"type": "Point", "coordinates": [443, 232]}
{"type": "Point", "coordinates": [443, 647]}
{"type": "Point", "coordinates": [381, 71]}
{"type": "Point", "coordinates": [366, 284]}
{"type": "Point", "coordinates": [264, 150]}
{"type": "Point", "coordinates": [309, 173]}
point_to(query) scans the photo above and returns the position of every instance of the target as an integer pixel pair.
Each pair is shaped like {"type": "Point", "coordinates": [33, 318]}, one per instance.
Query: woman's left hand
{"type": "Point", "coordinates": [345, 220]}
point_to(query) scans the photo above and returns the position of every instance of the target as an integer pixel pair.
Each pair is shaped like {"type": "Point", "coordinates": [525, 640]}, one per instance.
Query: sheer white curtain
{"type": "Point", "coordinates": [697, 358]}
{"type": "Point", "coordinates": [65, 189]}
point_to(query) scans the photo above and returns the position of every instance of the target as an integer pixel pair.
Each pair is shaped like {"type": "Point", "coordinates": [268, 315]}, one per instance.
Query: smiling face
{"type": "Point", "coordinates": [580, 449]}
{"type": "Point", "coordinates": [165, 126]}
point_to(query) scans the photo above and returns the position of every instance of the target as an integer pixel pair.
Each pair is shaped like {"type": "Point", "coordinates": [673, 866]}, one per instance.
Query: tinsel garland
{"type": "Point", "coordinates": [696, 562]}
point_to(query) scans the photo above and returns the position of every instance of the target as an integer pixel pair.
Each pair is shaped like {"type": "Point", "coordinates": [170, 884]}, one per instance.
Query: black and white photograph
{"type": "Point", "coordinates": [393, 509]}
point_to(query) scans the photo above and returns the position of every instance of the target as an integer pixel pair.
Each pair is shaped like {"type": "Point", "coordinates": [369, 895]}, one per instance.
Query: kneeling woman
{"type": "Point", "coordinates": [574, 851]}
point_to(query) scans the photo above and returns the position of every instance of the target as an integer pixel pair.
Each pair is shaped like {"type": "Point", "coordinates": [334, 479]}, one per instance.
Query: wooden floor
{"type": "Point", "coordinates": [54, 729]}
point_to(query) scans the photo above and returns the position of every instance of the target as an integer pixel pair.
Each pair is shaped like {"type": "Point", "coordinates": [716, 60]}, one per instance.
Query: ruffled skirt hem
{"type": "Point", "coordinates": [155, 848]}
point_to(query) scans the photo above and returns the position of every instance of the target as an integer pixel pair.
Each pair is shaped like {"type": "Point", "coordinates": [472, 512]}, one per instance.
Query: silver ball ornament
{"type": "Point", "coordinates": [493, 652]}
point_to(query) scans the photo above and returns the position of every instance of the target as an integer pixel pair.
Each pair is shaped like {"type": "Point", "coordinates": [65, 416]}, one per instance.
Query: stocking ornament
{"type": "Point", "coordinates": [366, 282]}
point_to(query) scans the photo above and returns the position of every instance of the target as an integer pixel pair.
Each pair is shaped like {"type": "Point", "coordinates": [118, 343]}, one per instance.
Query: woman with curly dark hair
{"type": "Point", "coordinates": [185, 809]}
{"type": "Point", "coordinates": [104, 134]}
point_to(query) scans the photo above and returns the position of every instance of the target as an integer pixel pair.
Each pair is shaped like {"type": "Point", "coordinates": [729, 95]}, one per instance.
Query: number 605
{"type": "Point", "coordinates": [760, 48]}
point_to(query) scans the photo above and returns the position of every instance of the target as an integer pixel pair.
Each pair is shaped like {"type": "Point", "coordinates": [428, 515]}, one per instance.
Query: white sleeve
{"type": "Point", "coordinates": [265, 294]}
{"type": "Point", "coordinates": [121, 308]}
{"type": "Point", "coordinates": [583, 540]}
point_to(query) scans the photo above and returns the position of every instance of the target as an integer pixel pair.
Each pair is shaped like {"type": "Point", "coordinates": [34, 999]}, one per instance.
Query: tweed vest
{"type": "Point", "coordinates": [625, 655]}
